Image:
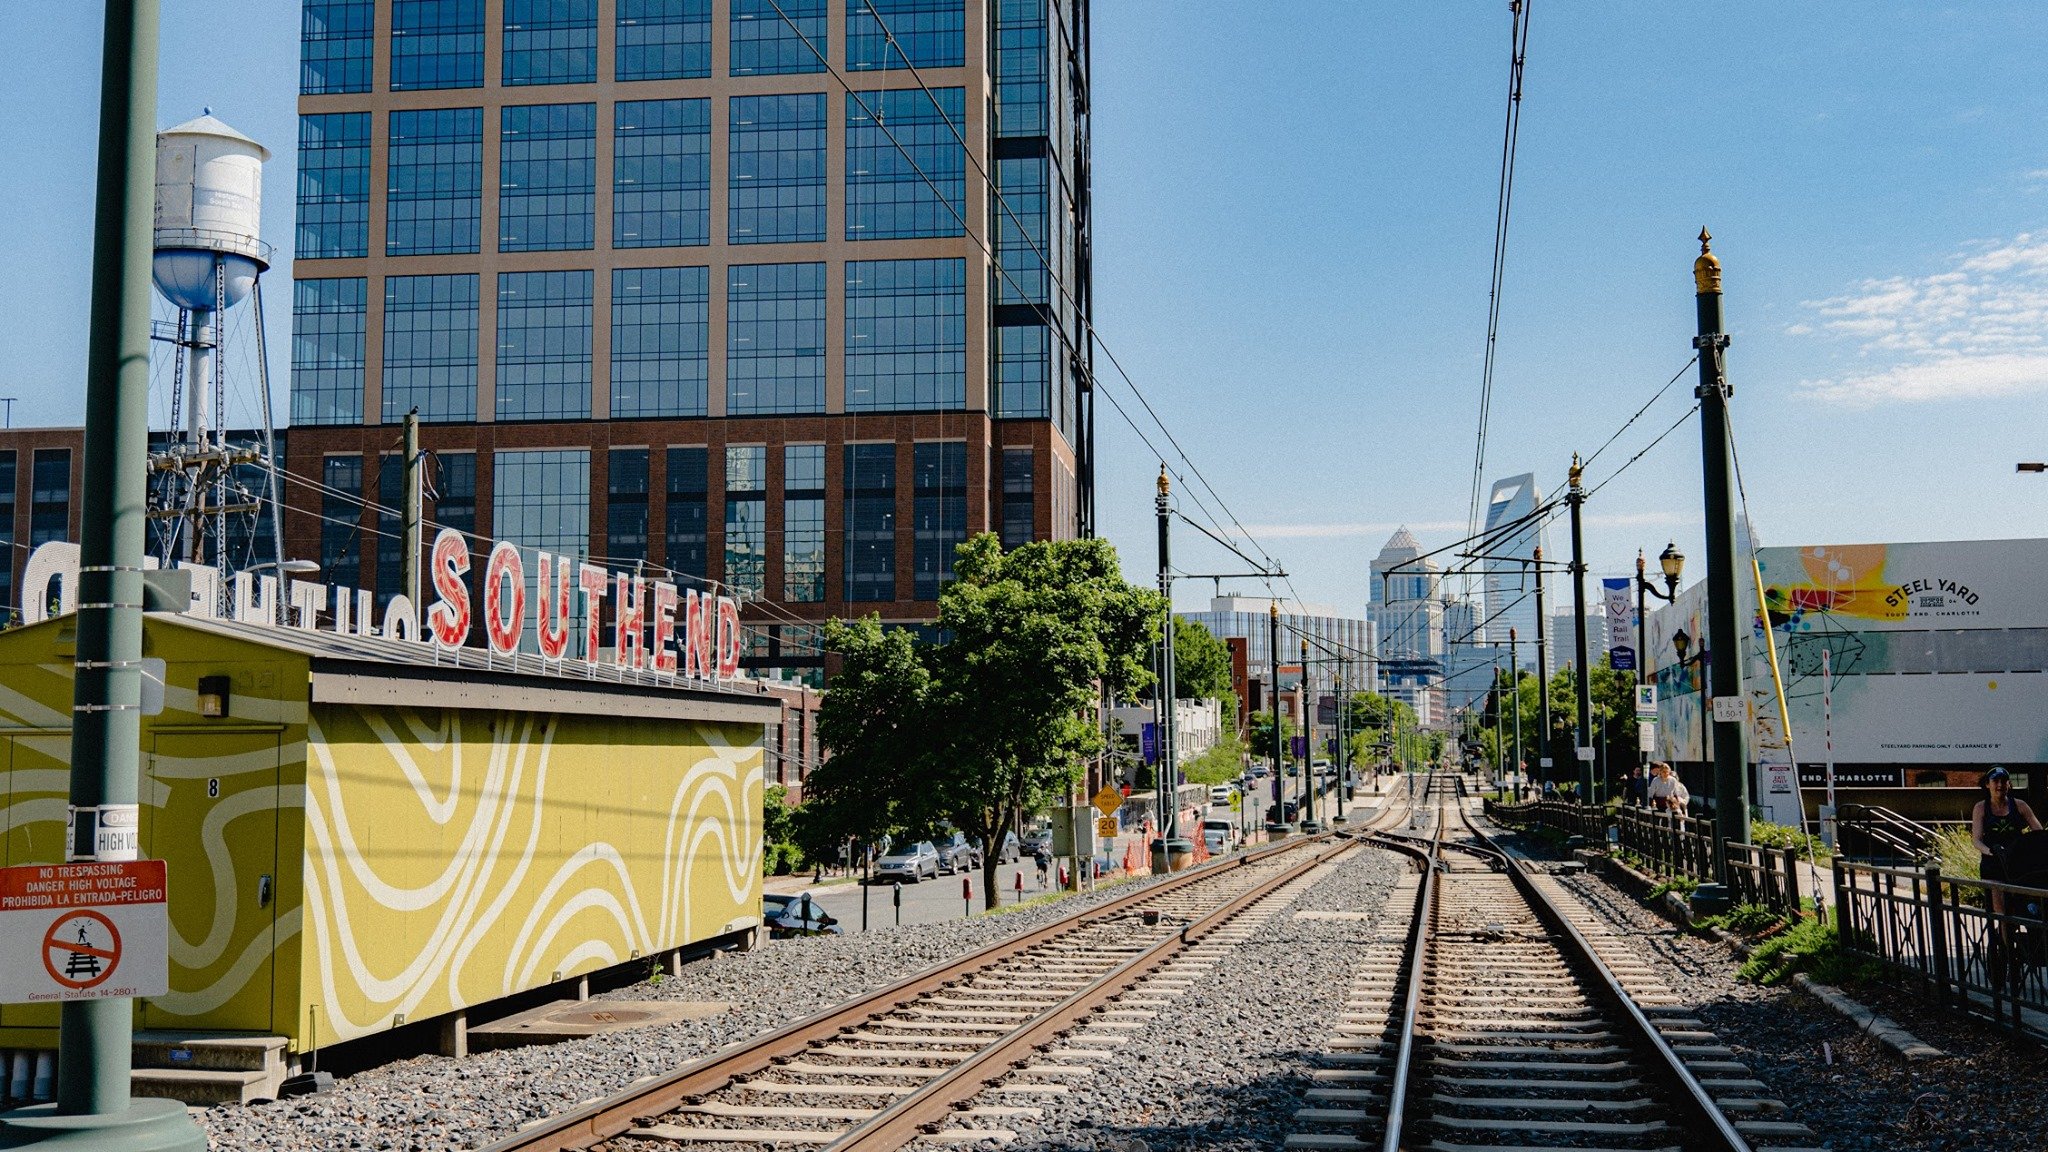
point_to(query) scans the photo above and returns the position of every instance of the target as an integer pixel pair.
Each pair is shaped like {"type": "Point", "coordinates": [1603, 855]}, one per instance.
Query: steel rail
{"type": "Point", "coordinates": [919, 1112]}
{"type": "Point", "coordinates": [1411, 1004]}
{"type": "Point", "coordinates": [612, 1115]}
{"type": "Point", "coordinates": [1666, 1064]}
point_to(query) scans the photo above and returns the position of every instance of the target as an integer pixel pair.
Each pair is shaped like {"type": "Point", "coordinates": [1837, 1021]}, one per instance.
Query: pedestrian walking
{"type": "Point", "coordinates": [1665, 791]}
{"type": "Point", "coordinates": [1995, 822]}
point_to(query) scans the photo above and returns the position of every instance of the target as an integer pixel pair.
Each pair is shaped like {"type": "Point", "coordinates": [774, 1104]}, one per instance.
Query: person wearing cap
{"type": "Point", "coordinates": [1997, 821]}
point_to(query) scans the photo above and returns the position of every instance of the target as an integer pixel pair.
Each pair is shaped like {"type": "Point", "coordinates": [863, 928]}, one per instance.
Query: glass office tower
{"type": "Point", "coordinates": [717, 287]}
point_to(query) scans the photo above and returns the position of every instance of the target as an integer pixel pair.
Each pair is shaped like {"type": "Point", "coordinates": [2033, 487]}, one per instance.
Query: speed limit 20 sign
{"type": "Point", "coordinates": [84, 931]}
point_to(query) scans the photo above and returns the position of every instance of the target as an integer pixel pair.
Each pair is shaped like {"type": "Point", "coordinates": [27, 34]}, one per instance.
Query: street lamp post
{"type": "Point", "coordinates": [1278, 824]}
{"type": "Point", "coordinates": [1586, 748]}
{"type": "Point", "coordinates": [1724, 618]}
{"type": "Point", "coordinates": [1672, 562]}
{"type": "Point", "coordinates": [1515, 690]}
{"type": "Point", "coordinates": [1545, 738]}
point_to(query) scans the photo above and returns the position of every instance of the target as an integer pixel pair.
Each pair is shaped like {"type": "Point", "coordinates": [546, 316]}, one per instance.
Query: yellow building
{"type": "Point", "coordinates": [362, 833]}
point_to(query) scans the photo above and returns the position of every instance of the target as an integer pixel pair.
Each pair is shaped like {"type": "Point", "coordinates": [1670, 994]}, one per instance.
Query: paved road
{"type": "Point", "coordinates": [926, 902]}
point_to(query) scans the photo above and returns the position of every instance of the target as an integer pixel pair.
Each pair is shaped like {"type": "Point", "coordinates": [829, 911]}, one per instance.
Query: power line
{"type": "Point", "coordinates": [1510, 135]}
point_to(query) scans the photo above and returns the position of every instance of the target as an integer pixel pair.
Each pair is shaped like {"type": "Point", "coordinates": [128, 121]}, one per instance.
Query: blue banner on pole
{"type": "Point", "coordinates": [1298, 745]}
{"type": "Point", "coordinates": [1621, 659]}
{"type": "Point", "coordinates": [1148, 742]}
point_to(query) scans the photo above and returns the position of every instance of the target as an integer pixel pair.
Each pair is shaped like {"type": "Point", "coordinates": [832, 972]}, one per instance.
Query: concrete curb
{"type": "Point", "coordinates": [1904, 1044]}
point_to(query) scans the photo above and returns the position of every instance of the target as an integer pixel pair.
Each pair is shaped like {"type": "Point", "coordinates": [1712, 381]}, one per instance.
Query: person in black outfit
{"type": "Point", "coordinates": [1997, 821]}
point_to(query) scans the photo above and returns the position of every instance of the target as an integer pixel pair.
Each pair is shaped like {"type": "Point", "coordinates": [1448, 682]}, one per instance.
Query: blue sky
{"type": "Point", "coordinates": [1294, 218]}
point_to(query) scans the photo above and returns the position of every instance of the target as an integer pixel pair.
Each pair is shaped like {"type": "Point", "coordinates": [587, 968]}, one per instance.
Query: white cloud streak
{"type": "Point", "coordinates": [1978, 329]}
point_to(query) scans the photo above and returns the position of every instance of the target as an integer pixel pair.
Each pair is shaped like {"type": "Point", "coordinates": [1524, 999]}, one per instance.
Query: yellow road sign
{"type": "Point", "coordinates": [1106, 827]}
{"type": "Point", "coordinates": [1109, 800]}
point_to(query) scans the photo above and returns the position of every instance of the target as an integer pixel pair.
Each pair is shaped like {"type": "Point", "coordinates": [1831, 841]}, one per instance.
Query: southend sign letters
{"type": "Point", "coordinates": [655, 626]}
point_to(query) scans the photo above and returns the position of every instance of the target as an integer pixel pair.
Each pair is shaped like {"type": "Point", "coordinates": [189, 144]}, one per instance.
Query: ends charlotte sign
{"type": "Point", "coordinates": [656, 626]}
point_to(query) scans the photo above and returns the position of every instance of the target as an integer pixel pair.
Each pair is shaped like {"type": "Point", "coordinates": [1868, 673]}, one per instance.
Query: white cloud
{"type": "Point", "coordinates": [1978, 329]}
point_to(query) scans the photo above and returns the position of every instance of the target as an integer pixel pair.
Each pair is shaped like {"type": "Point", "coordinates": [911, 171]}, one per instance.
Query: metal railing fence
{"type": "Point", "coordinates": [1973, 944]}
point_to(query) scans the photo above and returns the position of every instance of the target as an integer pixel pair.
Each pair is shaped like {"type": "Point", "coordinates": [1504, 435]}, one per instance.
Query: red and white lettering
{"type": "Point", "coordinates": [591, 579]}
{"type": "Point", "coordinates": [552, 588]}
{"type": "Point", "coordinates": [697, 634]}
{"type": "Point", "coordinates": [448, 619]}
{"type": "Point", "coordinates": [663, 658]}
{"type": "Point", "coordinates": [504, 598]}
{"type": "Point", "coordinates": [629, 623]}
{"type": "Point", "coordinates": [728, 638]}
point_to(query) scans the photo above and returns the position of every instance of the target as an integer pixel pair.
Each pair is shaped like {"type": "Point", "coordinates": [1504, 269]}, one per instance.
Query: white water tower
{"type": "Point", "coordinates": [210, 256]}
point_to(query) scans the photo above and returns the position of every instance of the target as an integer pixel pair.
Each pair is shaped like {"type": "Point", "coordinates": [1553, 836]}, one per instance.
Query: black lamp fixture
{"type": "Point", "coordinates": [213, 696]}
{"type": "Point", "coordinates": [1681, 641]}
{"type": "Point", "coordinates": [1672, 561]}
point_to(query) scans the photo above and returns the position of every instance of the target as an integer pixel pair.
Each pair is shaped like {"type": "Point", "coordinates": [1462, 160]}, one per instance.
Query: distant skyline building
{"type": "Point", "coordinates": [1249, 618]}
{"type": "Point", "coordinates": [1510, 581]}
{"type": "Point", "coordinates": [1407, 609]}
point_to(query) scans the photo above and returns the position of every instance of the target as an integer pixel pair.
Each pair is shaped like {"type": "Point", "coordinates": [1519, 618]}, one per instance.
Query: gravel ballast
{"type": "Point", "coordinates": [1856, 1093]}
{"type": "Point", "coordinates": [431, 1103]}
{"type": "Point", "coordinates": [1223, 1067]}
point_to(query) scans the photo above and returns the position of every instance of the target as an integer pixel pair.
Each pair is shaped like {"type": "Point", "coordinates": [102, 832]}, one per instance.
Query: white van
{"type": "Point", "coordinates": [1218, 836]}
{"type": "Point", "coordinates": [1220, 794]}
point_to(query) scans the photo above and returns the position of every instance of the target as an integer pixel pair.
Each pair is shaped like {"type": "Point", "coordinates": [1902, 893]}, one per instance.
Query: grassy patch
{"type": "Point", "coordinates": [1812, 947]}
{"type": "Point", "coordinates": [1684, 885]}
{"type": "Point", "coordinates": [1765, 834]}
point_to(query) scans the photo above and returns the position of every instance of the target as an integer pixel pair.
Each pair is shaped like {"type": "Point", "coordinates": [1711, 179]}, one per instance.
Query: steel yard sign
{"type": "Point", "coordinates": [655, 627]}
{"type": "Point", "coordinates": [83, 932]}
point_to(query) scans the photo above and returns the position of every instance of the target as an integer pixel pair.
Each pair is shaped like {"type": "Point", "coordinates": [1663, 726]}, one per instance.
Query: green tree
{"type": "Point", "coordinates": [1032, 633]}
{"type": "Point", "coordinates": [1201, 663]}
{"type": "Point", "coordinates": [875, 723]}
{"type": "Point", "coordinates": [1261, 734]}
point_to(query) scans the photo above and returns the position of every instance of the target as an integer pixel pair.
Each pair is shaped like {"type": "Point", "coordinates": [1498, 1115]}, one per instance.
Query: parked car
{"type": "Point", "coordinates": [797, 915]}
{"type": "Point", "coordinates": [1038, 839]}
{"type": "Point", "coordinates": [1219, 836]}
{"type": "Point", "coordinates": [1012, 850]}
{"type": "Point", "coordinates": [958, 854]}
{"type": "Point", "coordinates": [1221, 794]}
{"type": "Point", "coordinates": [914, 863]}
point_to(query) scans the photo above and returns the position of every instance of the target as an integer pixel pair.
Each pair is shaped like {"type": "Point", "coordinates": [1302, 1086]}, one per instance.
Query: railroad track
{"type": "Point", "coordinates": [1505, 1018]}
{"type": "Point", "coordinates": [954, 1054]}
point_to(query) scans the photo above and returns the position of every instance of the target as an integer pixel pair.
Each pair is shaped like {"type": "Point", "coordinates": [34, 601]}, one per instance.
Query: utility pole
{"type": "Point", "coordinates": [1343, 738]}
{"type": "Point", "coordinates": [1576, 497]}
{"type": "Point", "coordinates": [1731, 743]}
{"type": "Point", "coordinates": [1308, 743]}
{"type": "Point", "coordinates": [409, 561]}
{"type": "Point", "coordinates": [1166, 779]}
{"type": "Point", "coordinates": [1546, 740]}
{"type": "Point", "coordinates": [1515, 689]}
{"type": "Point", "coordinates": [1279, 821]}
{"type": "Point", "coordinates": [95, 1037]}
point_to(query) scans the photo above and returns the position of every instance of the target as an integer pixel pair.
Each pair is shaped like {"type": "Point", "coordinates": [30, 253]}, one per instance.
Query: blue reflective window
{"type": "Point", "coordinates": [929, 34]}
{"type": "Point", "coordinates": [688, 481]}
{"type": "Point", "coordinates": [8, 480]}
{"type": "Point", "coordinates": [1021, 68]}
{"type": "Point", "coordinates": [337, 40]}
{"type": "Point", "coordinates": [550, 42]}
{"type": "Point", "coordinates": [1023, 371]}
{"type": "Point", "coordinates": [906, 335]}
{"type": "Point", "coordinates": [869, 482]}
{"type": "Point", "coordinates": [328, 321]}
{"type": "Point", "coordinates": [664, 40]}
{"type": "Point", "coordinates": [430, 346]}
{"type": "Point", "coordinates": [938, 514]}
{"type": "Point", "coordinates": [437, 44]}
{"type": "Point", "coordinates": [1019, 484]}
{"type": "Point", "coordinates": [334, 185]}
{"type": "Point", "coordinates": [777, 169]}
{"type": "Point", "coordinates": [435, 180]}
{"type": "Point", "coordinates": [341, 510]}
{"type": "Point", "coordinates": [803, 523]}
{"type": "Point", "coordinates": [890, 195]}
{"type": "Point", "coordinates": [764, 43]}
{"type": "Point", "coordinates": [544, 345]}
{"type": "Point", "coordinates": [625, 519]}
{"type": "Point", "coordinates": [661, 336]}
{"type": "Point", "coordinates": [541, 499]}
{"type": "Point", "coordinates": [746, 518]}
{"type": "Point", "coordinates": [547, 177]}
{"type": "Point", "coordinates": [49, 509]}
{"type": "Point", "coordinates": [453, 497]}
{"type": "Point", "coordinates": [661, 173]}
{"type": "Point", "coordinates": [775, 338]}
{"type": "Point", "coordinates": [1021, 250]}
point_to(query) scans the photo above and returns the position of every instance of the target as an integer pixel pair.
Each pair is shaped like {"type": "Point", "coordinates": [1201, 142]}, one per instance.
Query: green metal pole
{"type": "Point", "coordinates": [1731, 744]}
{"type": "Point", "coordinates": [93, 1108]}
{"type": "Point", "coordinates": [1576, 497]}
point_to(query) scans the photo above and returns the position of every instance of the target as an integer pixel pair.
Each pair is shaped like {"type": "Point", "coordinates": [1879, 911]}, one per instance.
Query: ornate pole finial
{"type": "Point", "coordinates": [1706, 271]}
{"type": "Point", "coordinates": [1273, 608]}
{"type": "Point", "coordinates": [1163, 485]}
{"type": "Point", "coordinates": [1577, 470]}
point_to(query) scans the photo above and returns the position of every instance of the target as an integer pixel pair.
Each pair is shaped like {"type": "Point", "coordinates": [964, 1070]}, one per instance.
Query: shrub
{"type": "Point", "coordinates": [1810, 946]}
{"type": "Point", "coordinates": [1956, 853]}
{"type": "Point", "coordinates": [1765, 834]}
